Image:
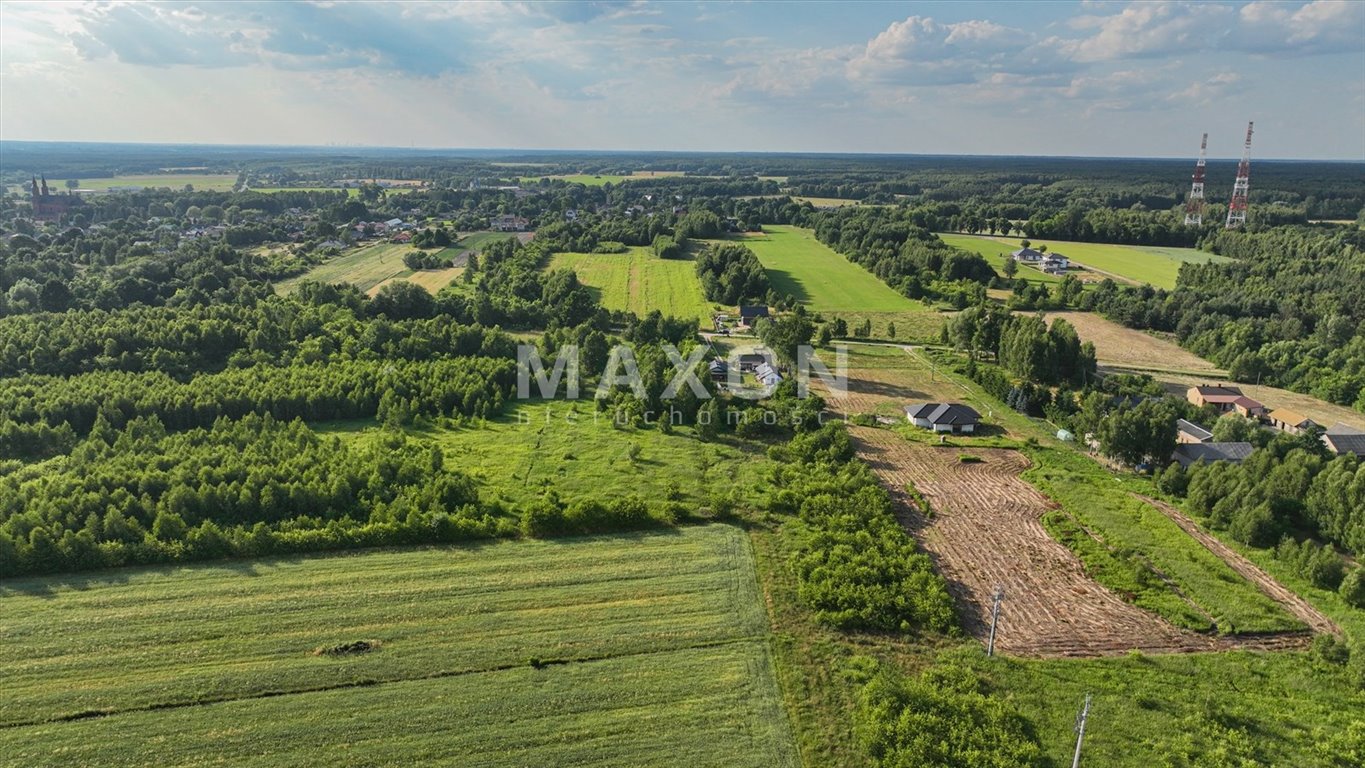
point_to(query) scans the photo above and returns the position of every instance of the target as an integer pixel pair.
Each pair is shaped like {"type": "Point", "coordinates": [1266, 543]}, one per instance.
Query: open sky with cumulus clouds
{"type": "Point", "coordinates": [1051, 78]}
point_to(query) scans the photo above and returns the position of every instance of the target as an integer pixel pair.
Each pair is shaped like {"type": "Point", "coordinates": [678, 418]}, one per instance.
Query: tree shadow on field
{"type": "Point", "coordinates": [52, 585]}
{"type": "Point", "coordinates": [785, 283]}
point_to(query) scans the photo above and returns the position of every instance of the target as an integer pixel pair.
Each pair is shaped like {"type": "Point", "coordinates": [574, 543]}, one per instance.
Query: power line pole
{"type": "Point", "coordinates": [995, 618]}
{"type": "Point", "coordinates": [1080, 731]}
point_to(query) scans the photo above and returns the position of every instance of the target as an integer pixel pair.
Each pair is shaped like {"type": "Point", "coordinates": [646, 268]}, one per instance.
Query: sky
{"type": "Point", "coordinates": [1078, 78]}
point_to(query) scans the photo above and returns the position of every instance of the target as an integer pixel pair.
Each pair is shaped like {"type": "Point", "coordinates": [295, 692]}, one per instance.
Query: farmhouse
{"type": "Point", "coordinates": [1226, 400]}
{"type": "Point", "coordinates": [747, 315]}
{"type": "Point", "coordinates": [1054, 264]}
{"type": "Point", "coordinates": [1187, 432]}
{"type": "Point", "coordinates": [943, 417]}
{"type": "Point", "coordinates": [1188, 454]}
{"type": "Point", "coordinates": [1027, 256]}
{"type": "Point", "coordinates": [509, 223]}
{"type": "Point", "coordinates": [1289, 421]}
{"type": "Point", "coordinates": [1342, 439]}
{"type": "Point", "coordinates": [767, 375]}
{"type": "Point", "coordinates": [718, 369]}
{"type": "Point", "coordinates": [749, 361]}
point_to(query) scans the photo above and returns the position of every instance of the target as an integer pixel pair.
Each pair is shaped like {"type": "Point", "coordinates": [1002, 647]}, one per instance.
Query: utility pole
{"type": "Point", "coordinates": [1080, 731]}
{"type": "Point", "coordinates": [995, 618]}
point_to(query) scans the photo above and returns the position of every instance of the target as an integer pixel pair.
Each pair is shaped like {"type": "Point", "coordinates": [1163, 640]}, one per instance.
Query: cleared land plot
{"type": "Point", "coordinates": [217, 182]}
{"type": "Point", "coordinates": [1121, 347]}
{"type": "Point", "coordinates": [580, 454]}
{"type": "Point", "coordinates": [647, 638]}
{"type": "Point", "coordinates": [986, 529]}
{"type": "Point", "coordinates": [827, 202]}
{"type": "Point", "coordinates": [803, 267]}
{"type": "Point", "coordinates": [431, 279]}
{"type": "Point", "coordinates": [363, 267]}
{"type": "Point", "coordinates": [1155, 265]}
{"type": "Point", "coordinates": [639, 281]}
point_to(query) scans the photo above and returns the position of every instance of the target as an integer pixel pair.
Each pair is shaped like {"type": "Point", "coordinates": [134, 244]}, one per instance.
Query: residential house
{"type": "Point", "coordinates": [1027, 256]}
{"type": "Point", "coordinates": [748, 315]}
{"type": "Point", "coordinates": [1226, 400]}
{"type": "Point", "coordinates": [402, 237]}
{"type": "Point", "coordinates": [1188, 432]}
{"type": "Point", "coordinates": [718, 369]}
{"type": "Point", "coordinates": [1189, 454]}
{"type": "Point", "coordinates": [509, 223]}
{"type": "Point", "coordinates": [1289, 421]}
{"type": "Point", "coordinates": [943, 417]}
{"type": "Point", "coordinates": [1342, 439]}
{"type": "Point", "coordinates": [749, 361]}
{"type": "Point", "coordinates": [767, 375]}
{"type": "Point", "coordinates": [1054, 264]}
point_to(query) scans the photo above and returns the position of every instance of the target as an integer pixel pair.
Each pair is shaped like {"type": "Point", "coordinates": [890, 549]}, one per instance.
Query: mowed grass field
{"type": "Point", "coordinates": [651, 645]}
{"type": "Point", "coordinates": [215, 182]}
{"type": "Point", "coordinates": [1154, 265]}
{"type": "Point", "coordinates": [1117, 346]}
{"type": "Point", "coordinates": [639, 281]}
{"type": "Point", "coordinates": [364, 267]}
{"type": "Point", "coordinates": [996, 253]}
{"type": "Point", "coordinates": [802, 266]}
{"type": "Point", "coordinates": [569, 447]}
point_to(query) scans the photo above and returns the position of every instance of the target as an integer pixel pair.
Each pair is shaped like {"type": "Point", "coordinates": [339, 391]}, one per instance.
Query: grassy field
{"type": "Point", "coordinates": [352, 192]}
{"type": "Point", "coordinates": [598, 179]}
{"type": "Point", "coordinates": [996, 253]}
{"type": "Point", "coordinates": [364, 267]}
{"type": "Point", "coordinates": [1137, 264]}
{"type": "Point", "coordinates": [217, 182]}
{"type": "Point", "coordinates": [644, 640]}
{"type": "Point", "coordinates": [581, 454]}
{"type": "Point", "coordinates": [803, 267]}
{"type": "Point", "coordinates": [826, 202]}
{"type": "Point", "coordinates": [1117, 346]}
{"type": "Point", "coordinates": [371, 267]}
{"type": "Point", "coordinates": [639, 281]}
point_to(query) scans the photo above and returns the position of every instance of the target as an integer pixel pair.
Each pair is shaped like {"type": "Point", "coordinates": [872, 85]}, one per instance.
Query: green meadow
{"type": "Point", "coordinates": [639, 281]}
{"type": "Point", "coordinates": [216, 182]}
{"type": "Point", "coordinates": [605, 651]}
{"type": "Point", "coordinates": [1156, 266]}
{"type": "Point", "coordinates": [803, 267]}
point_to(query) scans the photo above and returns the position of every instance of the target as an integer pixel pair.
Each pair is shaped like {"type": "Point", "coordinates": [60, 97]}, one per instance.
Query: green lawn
{"type": "Point", "coordinates": [639, 281]}
{"type": "Point", "coordinates": [352, 192]}
{"type": "Point", "coordinates": [1157, 266]}
{"type": "Point", "coordinates": [571, 448]}
{"type": "Point", "coordinates": [654, 644]}
{"type": "Point", "coordinates": [219, 182]}
{"type": "Point", "coordinates": [802, 266]}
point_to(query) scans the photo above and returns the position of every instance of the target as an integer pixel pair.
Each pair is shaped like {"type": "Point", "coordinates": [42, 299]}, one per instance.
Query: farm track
{"type": "Point", "coordinates": [1295, 605]}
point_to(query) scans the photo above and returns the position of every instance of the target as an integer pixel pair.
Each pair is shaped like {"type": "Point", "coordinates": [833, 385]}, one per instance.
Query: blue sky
{"type": "Point", "coordinates": [1051, 78]}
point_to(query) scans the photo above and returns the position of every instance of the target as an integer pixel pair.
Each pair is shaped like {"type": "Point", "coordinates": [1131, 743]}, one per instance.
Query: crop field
{"type": "Point", "coordinates": [1154, 265]}
{"type": "Point", "coordinates": [1120, 347]}
{"type": "Point", "coordinates": [215, 182]}
{"type": "Point", "coordinates": [639, 281]}
{"type": "Point", "coordinates": [803, 267]}
{"type": "Point", "coordinates": [641, 641]}
{"type": "Point", "coordinates": [580, 453]}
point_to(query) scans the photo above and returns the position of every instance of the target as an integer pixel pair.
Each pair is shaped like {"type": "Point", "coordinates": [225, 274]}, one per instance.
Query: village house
{"type": "Point", "coordinates": [718, 369]}
{"type": "Point", "coordinates": [1190, 433]}
{"type": "Point", "coordinates": [1188, 454]}
{"type": "Point", "coordinates": [1027, 256]}
{"type": "Point", "coordinates": [955, 418]}
{"type": "Point", "coordinates": [1054, 264]}
{"type": "Point", "coordinates": [509, 223]}
{"type": "Point", "coordinates": [1225, 400]}
{"type": "Point", "coordinates": [748, 315]}
{"type": "Point", "coordinates": [1342, 439]}
{"type": "Point", "coordinates": [767, 375]}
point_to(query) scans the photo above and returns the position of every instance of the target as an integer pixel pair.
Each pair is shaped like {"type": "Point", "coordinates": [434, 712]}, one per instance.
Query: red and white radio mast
{"type": "Point", "coordinates": [1194, 207]}
{"type": "Point", "coordinates": [1237, 207]}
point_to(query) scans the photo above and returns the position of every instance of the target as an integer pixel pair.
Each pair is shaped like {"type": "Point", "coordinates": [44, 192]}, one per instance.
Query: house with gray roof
{"type": "Point", "coordinates": [1187, 454]}
{"type": "Point", "coordinates": [954, 418]}
{"type": "Point", "coordinates": [1189, 432]}
{"type": "Point", "coordinates": [1342, 439]}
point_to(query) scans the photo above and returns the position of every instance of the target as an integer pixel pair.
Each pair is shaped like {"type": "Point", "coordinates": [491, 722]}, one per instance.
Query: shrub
{"type": "Point", "coordinates": [1352, 588]}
